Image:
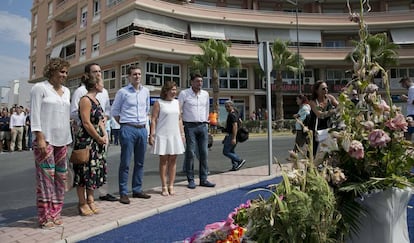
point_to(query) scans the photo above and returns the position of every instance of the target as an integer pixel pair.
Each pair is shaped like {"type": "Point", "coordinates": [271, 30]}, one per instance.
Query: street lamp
{"type": "Point", "coordinates": [297, 43]}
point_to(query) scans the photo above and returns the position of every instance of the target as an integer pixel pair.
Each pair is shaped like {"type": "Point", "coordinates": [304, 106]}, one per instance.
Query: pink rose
{"type": "Point", "coordinates": [397, 123]}
{"type": "Point", "coordinates": [356, 150]}
{"type": "Point", "coordinates": [378, 138]}
{"type": "Point", "coordinates": [369, 125]}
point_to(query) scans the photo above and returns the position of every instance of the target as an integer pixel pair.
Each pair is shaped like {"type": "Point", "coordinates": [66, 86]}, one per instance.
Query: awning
{"type": "Point", "coordinates": [272, 34]}
{"type": "Point", "coordinates": [207, 31]}
{"type": "Point", "coordinates": [56, 51]}
{"type": "Point", "coordinates": [158, 22]}
{"type": "Point", "coordinates": [306, 36]}
{"type": "Point", "coordinates": [239, 33]}
{"type": "Point", "coordinates": [403, 36]}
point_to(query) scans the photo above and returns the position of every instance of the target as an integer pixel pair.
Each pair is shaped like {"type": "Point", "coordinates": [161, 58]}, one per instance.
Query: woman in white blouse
{"type": "Point", "coordinates": [50, 124]}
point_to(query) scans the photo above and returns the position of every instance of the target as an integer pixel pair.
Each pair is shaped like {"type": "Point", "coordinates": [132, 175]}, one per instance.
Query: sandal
{"type": "Point", "coordinates": [48, 225]}
{"type": "Point", "coordinates": [164, 191]}
{"type": "Point", "coordinates": [93, 207]}
{"type": "Point", "coordinates": [58, 221]}
{"type": "Point", "coordinates": [84, 210]}
{"type": "Point", "coordinates": [171, 190]}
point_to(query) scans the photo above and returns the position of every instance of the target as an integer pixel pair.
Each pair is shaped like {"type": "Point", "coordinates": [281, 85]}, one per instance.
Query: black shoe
{"type": "Point", "coordinates": [124, 199]}
{"type": "Point", "coordinates": [233, 168]}
{"type": "Point", "coordinates": [141, 195]}
{"type": "Point", "coordinates": [191, 184]}
{"type": "Point", "coordinates": [206, 183]}
{"type": "Point", "coordinates": [108, 197]}
{"type": "Point", "coordinates": [240, 164]}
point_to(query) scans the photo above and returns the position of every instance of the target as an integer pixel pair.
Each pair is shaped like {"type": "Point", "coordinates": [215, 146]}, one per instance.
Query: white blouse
{"type": "Point", "coordinates": [50, 113]}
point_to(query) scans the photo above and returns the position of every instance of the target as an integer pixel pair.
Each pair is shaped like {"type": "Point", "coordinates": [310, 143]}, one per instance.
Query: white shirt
{"type": "Point", "coordinates": [115, 124]}
{"type": "Point", "coordinates": [17, 120]}
{"type": "Point", "coordinates": [50, 113]}
{"type": "Point", "coordinates": [195, 107]}
{"type": "Point", "coordinates": [81, 91]}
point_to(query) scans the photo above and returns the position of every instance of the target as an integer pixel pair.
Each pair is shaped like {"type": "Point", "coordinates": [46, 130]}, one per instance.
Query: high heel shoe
{"type": "Point", "coordinates": [93, 207]}
{"type": "Point", "coordinates": [164, 191]}
{"type": "Point", "coordinates": [171, 190]}
{"type": "Point", "coordinates": [84, 210]}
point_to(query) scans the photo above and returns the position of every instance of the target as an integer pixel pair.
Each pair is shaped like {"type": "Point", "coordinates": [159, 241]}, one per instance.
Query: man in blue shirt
{"type": "Point", "coordinates": [130, 109]}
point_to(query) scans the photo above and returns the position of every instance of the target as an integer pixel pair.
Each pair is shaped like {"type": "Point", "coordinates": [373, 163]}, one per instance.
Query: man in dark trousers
{"type": "Point", "coordinates": [230, 140]}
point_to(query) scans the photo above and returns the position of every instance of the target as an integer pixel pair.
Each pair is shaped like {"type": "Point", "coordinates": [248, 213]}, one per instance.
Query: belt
{"type": "Point", "coordinates": [18, 126]}
{"type": "Point", "coordinates": [195, 123]}
{"type": "Point", "coordinates": [133, 125]}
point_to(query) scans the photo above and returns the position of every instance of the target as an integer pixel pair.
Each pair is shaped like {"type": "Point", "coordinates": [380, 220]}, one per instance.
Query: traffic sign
{"type": "Point", "coordinates": [265, 56]}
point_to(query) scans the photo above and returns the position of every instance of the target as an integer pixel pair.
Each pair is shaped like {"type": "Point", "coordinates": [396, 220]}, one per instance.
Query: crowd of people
{"type": "Point", "coordinates": [15, 133]}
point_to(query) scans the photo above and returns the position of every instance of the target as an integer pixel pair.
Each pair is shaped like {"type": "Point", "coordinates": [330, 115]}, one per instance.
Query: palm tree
{"type": "Point", "coordinates": [381, 52]}
{"type": "Point", "coordinates": [284, 60]}
{"type": "Point", "coordinates": [215, 56]}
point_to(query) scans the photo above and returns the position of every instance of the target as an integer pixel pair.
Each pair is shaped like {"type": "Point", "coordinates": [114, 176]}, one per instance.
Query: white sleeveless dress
{"type": "Point", "coordinates": [167, 131]}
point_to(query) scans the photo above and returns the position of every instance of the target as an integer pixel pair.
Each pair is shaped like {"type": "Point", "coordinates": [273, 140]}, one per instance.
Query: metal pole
{"type": "Point", "coordinates": [269, 110]}
{"type": "Point", "coordinates": [297, 48]}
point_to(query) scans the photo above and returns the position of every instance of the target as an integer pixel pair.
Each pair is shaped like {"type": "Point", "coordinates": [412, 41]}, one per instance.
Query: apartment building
{"type": "Point", "coordinates": [161, 36]}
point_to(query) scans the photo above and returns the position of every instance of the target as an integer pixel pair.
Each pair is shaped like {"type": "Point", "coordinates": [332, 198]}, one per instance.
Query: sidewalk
{"type": "Point", "coordinates": [115, 214]}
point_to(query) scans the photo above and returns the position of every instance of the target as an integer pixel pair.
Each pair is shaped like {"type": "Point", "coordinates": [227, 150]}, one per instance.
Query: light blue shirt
{"type": "Point", "coordinates": [131, 105]}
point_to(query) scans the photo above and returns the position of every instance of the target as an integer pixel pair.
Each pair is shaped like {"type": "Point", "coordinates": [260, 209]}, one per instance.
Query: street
{"type": "Point", "coordinates": [17, 174]}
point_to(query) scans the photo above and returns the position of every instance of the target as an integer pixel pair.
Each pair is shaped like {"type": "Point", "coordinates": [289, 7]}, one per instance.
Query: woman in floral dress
{"type": "Point", "coordinates": [91, 175]}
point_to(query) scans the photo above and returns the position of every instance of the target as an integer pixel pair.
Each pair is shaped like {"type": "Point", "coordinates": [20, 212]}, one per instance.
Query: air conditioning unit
{"type": "Point", "coordinates": [309, 80]}
{"type": "Point", "coordinates": [264, 85]}
{"type": "Point", "coordinates": [155, 81]}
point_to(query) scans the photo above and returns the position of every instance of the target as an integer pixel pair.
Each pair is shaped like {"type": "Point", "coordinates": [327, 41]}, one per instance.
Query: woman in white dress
{"type": "Point", "coordinates": [167, 135]}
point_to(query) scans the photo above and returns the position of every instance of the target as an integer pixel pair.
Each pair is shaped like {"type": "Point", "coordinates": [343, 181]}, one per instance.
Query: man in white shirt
{"type": "Point", "coordinates": [17, 124]}
{"type": "Point", "coordinates": [92, 69]}
{"type": "Point", "coordinates": [195, 104]}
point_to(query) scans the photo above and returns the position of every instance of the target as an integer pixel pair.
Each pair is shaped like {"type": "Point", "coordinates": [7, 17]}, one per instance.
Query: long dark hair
{"type": "Point", "coordinates": [316, 88]}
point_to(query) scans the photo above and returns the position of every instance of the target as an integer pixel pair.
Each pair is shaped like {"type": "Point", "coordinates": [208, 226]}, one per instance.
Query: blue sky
{"type": "Point", "coordinates": [15, 24]}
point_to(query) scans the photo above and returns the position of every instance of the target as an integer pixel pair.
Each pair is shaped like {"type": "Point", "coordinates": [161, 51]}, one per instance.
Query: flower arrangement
{"type": "Point", "coordinates": [366, 152]}
{"type": "Point", "coordinates": [224, 231]}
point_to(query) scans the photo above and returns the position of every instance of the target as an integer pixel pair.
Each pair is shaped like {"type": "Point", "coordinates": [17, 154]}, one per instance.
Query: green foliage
{"type": "Point", "coordinates": [301, 209]}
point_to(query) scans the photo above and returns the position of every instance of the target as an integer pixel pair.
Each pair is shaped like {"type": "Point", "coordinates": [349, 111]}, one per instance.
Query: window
{"type": "Point", "coordinates": [49, 36]}
{"type": "Point", "coordinates": [34, 20]}
{"type": "Point", "coordinates": [33, 69]}
{"type": "Point", "coordinates": [50, 10]}
{"type": "Point", "coordinates": [334, 76]}
{"type": "Point", "coordinates": [82, 49]}
{"type": "Point", "coordinates": [34, 44]}
{"type": "Point", "coordinates": [124, 73]}
{"type": "Point", "coordinates": [158, 73]}
{"type": "Point", "coordinates": [84, 17]}
{"type": "Point", "coordinates": [96, 8]}
{"type": "Point", "coordinates": [68, 51]}
{"type": "Point", "coordinates": [95, 44]}
{"type": "Point", "coordinates": [232, 78]}
{"type": "Point", "coordinates": [109, 78]}
{"type": "Point", "coordinates": [335, 43]}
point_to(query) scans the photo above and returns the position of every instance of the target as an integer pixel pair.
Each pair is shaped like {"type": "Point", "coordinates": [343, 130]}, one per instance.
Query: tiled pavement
{"type": "Point", "coordinates": [115, 214]}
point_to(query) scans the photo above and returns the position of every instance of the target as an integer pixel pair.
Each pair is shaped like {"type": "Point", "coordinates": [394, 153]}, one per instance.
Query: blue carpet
{"type": "Point", "coordinates": [180, 223]}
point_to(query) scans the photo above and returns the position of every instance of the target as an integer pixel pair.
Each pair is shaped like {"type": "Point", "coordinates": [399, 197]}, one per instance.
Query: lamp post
{"type": "Point", "coordinates": [297, 43]}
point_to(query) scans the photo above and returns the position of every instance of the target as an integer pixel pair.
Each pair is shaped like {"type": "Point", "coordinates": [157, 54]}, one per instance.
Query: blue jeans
{"type": "Point", "coordinates": [196, 135]}
{"type": "Point", "coordinates": [133, 140]}
{"type": "Point", "coordinates": [228, 150]}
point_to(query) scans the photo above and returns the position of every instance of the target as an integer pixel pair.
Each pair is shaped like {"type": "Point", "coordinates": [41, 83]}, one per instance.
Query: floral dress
{"type": "Point", "coordinates": [92, 174]}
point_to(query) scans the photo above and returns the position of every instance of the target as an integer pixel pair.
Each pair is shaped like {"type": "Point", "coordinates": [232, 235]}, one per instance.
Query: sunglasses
{"type": "Point", "coordinates": [325, 88]}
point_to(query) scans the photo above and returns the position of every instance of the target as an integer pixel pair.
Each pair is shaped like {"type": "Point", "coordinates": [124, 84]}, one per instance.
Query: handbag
{"type": "Point", "coordinates": [80, 156]}
{"type": "Point", "coordinates": [322, 134]}
{"type": "Point", "coordinates": [242, 134]}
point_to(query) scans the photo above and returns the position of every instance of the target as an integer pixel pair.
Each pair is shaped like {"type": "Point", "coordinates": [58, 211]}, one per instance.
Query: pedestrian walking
{"type": "Point", "coordinates": [230, 140]}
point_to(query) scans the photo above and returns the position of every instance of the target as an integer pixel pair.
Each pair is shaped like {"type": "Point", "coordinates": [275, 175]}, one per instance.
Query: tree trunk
{"type": "Point", "coordinates": [279, 100]}
{"type": "Point", "coordinates": [216, 91]}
